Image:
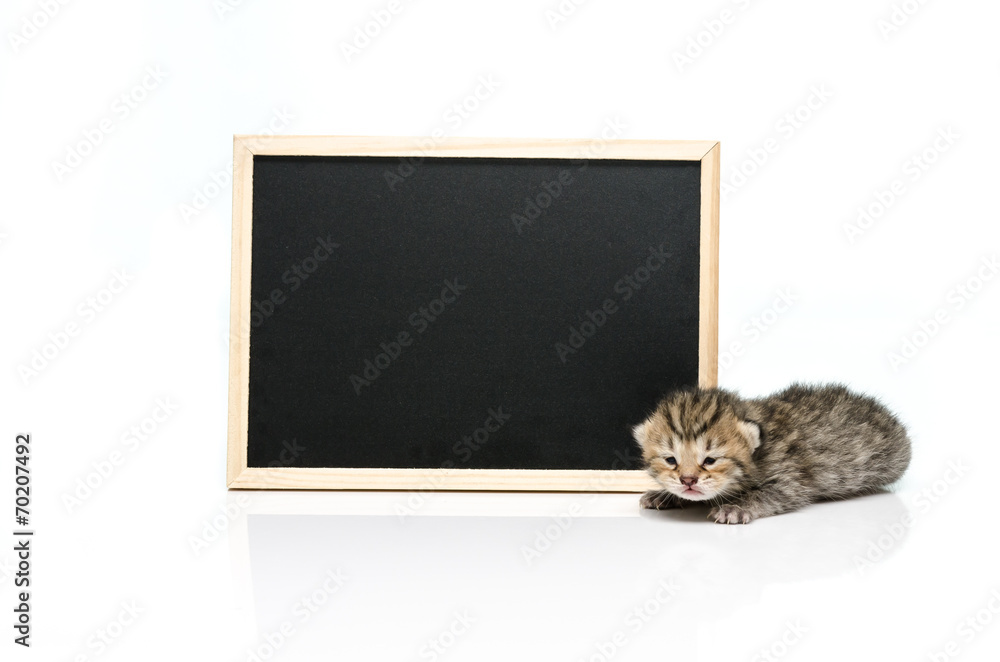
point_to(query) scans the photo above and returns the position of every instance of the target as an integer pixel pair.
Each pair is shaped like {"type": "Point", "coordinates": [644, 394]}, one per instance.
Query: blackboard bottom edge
{"type": "Point", "coordinates": [504, 480]}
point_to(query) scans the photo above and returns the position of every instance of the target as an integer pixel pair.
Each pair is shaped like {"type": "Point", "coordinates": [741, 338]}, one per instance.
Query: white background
{"type": "Point", "coordinates": [887, 577]}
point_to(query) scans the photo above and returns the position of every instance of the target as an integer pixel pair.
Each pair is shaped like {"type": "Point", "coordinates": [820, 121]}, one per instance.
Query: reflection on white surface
{"type": "Point", "coordinates": [586, 577]}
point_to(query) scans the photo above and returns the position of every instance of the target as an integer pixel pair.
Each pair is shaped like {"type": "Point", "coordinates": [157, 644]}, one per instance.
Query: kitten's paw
{"type": "Point", "coordinates": [659, 500]}
{"type": "Point", "coordinates": [730, 514]}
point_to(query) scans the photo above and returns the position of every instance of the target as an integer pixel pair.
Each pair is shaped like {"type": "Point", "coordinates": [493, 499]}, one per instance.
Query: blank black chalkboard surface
{"type": "Point", "coordinates": [445, 313]}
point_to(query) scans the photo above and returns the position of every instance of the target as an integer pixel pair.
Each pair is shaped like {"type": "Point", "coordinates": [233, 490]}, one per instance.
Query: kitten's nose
{"type": "Point", "coordinates": [689, 480]}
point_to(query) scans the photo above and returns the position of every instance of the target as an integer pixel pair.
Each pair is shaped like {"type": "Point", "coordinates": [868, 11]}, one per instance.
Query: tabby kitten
{"type": "Point", "coordinates": [751, 458]}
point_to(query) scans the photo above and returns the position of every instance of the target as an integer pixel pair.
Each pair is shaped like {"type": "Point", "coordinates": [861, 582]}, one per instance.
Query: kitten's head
{"type": "Point", "coordinates": [698, 443]}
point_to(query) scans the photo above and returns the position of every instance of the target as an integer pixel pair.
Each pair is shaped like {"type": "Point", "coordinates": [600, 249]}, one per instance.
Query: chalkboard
{"type": "Point", "coordinates": [464, 314]}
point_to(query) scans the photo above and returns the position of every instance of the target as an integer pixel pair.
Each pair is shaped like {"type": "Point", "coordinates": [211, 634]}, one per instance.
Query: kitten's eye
{"type": "Point", "coordinates": [709, 461]}
{"type": "Point", "coordinates": [671, 461]}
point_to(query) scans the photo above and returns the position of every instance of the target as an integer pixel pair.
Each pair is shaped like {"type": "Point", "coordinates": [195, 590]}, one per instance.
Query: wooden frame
{"type": "Point", "coordinates": [240, 476]}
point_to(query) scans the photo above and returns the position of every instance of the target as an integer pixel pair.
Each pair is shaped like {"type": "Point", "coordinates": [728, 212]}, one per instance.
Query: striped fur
{"type": "Point", "coordinates": [771, 455]}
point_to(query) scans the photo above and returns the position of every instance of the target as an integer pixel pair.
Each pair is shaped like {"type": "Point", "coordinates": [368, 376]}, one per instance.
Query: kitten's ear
{"type": "Point", "coordinates": [751, 431]}
{"type": "Point", "coordinates": [641, 433]}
